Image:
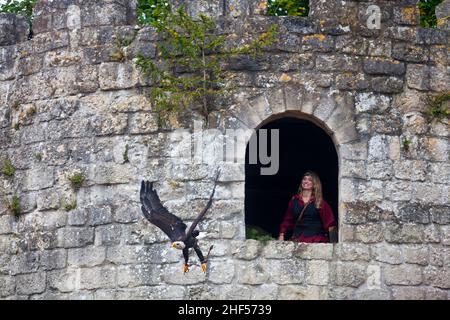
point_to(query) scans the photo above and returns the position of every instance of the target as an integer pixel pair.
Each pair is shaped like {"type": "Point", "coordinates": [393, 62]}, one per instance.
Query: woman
{"type": "Point", "coordinates": [308, 214]}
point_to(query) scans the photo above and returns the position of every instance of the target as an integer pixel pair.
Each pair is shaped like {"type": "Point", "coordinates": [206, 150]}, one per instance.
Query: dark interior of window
{"type": "Point", "coordinates": [303, 146]}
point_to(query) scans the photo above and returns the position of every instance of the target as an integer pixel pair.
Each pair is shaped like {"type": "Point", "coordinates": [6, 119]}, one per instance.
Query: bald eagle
{"type": "Point", "coordinates": [173, 226]}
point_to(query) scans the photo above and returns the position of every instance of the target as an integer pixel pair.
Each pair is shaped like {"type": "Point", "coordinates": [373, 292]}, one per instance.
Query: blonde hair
{"type": "Point", "coordinates": [317, 187]}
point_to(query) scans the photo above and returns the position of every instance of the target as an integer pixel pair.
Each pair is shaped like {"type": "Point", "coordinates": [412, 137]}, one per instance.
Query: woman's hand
{"type": "Point", "coordinates": [281, 237]}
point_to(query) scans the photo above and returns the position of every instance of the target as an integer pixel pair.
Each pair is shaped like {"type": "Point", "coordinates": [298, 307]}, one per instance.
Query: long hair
{"type": "Point", "coordinates": [317, 187]}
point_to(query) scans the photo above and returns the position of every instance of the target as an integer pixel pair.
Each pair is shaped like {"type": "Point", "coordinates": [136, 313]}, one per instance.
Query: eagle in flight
{"type": "Point", "coordinates": [173, 226]}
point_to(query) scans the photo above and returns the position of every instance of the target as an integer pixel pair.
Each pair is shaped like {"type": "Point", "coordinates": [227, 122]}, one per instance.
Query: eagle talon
{"type": "Point", "coordinates": [204, 267]}
{"type": "Point", "coordinates": [186, 268]}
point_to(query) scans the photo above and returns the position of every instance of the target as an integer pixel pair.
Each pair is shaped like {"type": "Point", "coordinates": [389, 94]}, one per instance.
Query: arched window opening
{"type": "Point", "coordinates": [303, 146]}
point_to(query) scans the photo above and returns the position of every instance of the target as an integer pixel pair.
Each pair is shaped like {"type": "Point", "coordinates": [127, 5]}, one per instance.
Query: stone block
{"type": "Point", "coordinates": [7, 286]}
{"type": "Point", "coordinates": [248, 250]}
{"type": "Point", "coordinates": [278, 250]}
{"type": "Point", "coordinates": [414, 170]}
{"type": "Point", "coordinates": [439, 172]}
{"type": "Point", "coordinates": [349, 274]}
{"type": "Point", "coordinates": [404, 274]}
{"type": "Point", "coordinates": [410, 53]}
{"type": "Point", "coordinates": [49, 41]}
{"type": "Point", "coordinates": [108, 235]}
{"type": "Point", "coordinates": [352, 44]}
{"type": "Point", "coordinates": [99, 215]}
{"type": "Point", "coordinates": [378, 148]}
{"type": "Point", "coordinates": [381, 170]}
{"type": "Point", "coordinates": [349, 81]}
{"type": "Point", "coordinates": [317, 272]}
{"type": "Point", "coordinates": [435, 294]}
{"type": "Point", "coordinates": [391, 254]}
{"type": "Point", "coordinates": [98, 277]}
{"type": "Point", "coordinates": [72, 237]}
{"type": "Point", "coordinates": [408, 293]}
{"type": "Point", "coordinates": [6, 224]}
{"type": "Point", "coordinates": [173, 274]}
{"type": "Point", "coordinates": [141, 123]}
{"type": "Point", "coordinates": [372, 190]}
{"type": "Point", "coordinates": [47, 200]}
{"type": "Point", "coordinates": [398, 190]}
{"type": "Point", "coordinates": [317, 251]}
{"type": "Point", "coordinates": [126, 213]}
{"type": "Point", "coordinates": [156, 253]}
{"type": "Point", "coordinates": [440, 214]}
{"type": "Point", "coordinates": [380, 47]}
{"type": "Point", "coordinates": [432, 234]}
{"type": "Point", "coordinates": [130, 276]}
{"type": "Point", "coordinates": [116, 76]}
{"type": "Point", "coordinates": [427, 193]}
{"type": "Point", "coordinates": [252, 272]}
{"type": "Point", "coordinates": [53, 259]}
{"type": "Point", "coordinates": [265, 292]}
{"type": "Point", "coordinates": [14, 29]}
{"type": "Point", "coordinates": [90, 256]}
{"type": "Point", "coordinates": [344, 63]}
{"type": "Point", "coordinates": [405, 233]}
{"type": "Point", "coordinates": [442, 12]}
{"type": "Point", "coordinates": [351, 252]}
{"type": "Point", "coordinates": [369, 233]}
{"type": "Point", "coordinates": [131, 254]}
{"type": "Point", "coordinates": [353, 169]}
{"type": "Point", "coordinates": [51, 220]}
{"type": "Point", "coordinates": [24, 263]}
{"type": "Point", "coordinates": [354, 151]}
{"type": "Point", "coordinates": [416, 254]}
{"type": "Point", "coordinates": [418, 77]}
{"type": "Point", "coordinates": [39, 178]}
{"type": "Point", "coordinates": [387, 84]}
{"type": "Point", "coordinates": [108, 13]}
{"type": "Point", "coordinates": [86, 79]}
{"type": "Point", "coordinates": [381, 66]}
{"type": "Point", "coordinates": [221, 271]}
{"type": "Point", "coordinates": [77, 217]}
{"type": "Point", "coordinates": [318, 43]}
{"type": "Point", "coordinates": [285, 271]}
{"type": "Point", "coordinates": [109, 124]}
{"type": "Point", "coordinates": [31, 283]}
{"type": "Point", "coordinates": [406, 15]}
{"type": "Point", "coordinates": [295, 292]}
{"type": "Point", "coordinates": [415, 213]}
{"type": "Point", "coordinates": [437, 277]}
{"type": "Point", "coordinates": [440, 78]}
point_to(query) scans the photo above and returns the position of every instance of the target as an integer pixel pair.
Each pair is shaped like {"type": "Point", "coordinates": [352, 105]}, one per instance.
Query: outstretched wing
{"type": "Point", "coordinates": [203, 212]}
{"type": "Point", "coordinates": [157, 214]}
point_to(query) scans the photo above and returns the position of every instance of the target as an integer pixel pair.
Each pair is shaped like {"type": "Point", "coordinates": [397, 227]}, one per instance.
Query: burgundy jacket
{"type": "Point", "coordinates": [325, 213]}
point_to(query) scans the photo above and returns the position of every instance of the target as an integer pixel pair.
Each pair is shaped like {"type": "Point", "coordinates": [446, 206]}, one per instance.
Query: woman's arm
{"type": "Point", "coordinates": [327, 216]}
{"type": "Point", "coordinates": [288, 221]}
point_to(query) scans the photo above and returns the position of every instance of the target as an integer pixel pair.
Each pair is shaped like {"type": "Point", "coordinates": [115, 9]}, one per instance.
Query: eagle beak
{"type": "Point", "coordinates": [174, 245]}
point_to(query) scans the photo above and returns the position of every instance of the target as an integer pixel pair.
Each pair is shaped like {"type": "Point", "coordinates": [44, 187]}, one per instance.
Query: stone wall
{"type": "Point", "coordinates": [68, 105]}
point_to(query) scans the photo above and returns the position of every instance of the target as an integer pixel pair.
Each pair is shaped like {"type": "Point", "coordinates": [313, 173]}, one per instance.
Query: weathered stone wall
{"type": "Point", "coordinates": [69, 103]}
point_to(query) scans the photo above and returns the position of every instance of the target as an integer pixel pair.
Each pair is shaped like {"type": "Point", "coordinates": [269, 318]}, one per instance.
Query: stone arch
{"type": "Point", "coordinates": [331, 111]}
{"type": "Point", "coordinates": [304, 144]}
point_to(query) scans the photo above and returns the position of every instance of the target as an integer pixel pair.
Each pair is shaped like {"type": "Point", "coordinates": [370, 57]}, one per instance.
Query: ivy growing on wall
{"type": "Point", "coordinates": [189, 69]}
{"type": "Point", "coordinates": [288, 8]}
{"type": "Point", "coordinates": [428, 13]}
{"type": "Point", "coordinates": [150, 11]}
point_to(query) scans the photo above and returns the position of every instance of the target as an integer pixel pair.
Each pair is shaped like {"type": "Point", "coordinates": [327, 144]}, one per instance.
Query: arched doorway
{"type": "Point", "coordinates": [303, 146]}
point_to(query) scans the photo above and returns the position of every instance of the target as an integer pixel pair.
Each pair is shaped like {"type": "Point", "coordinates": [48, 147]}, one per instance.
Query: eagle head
{"type": "Point", "coordinates": [178, 245]}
